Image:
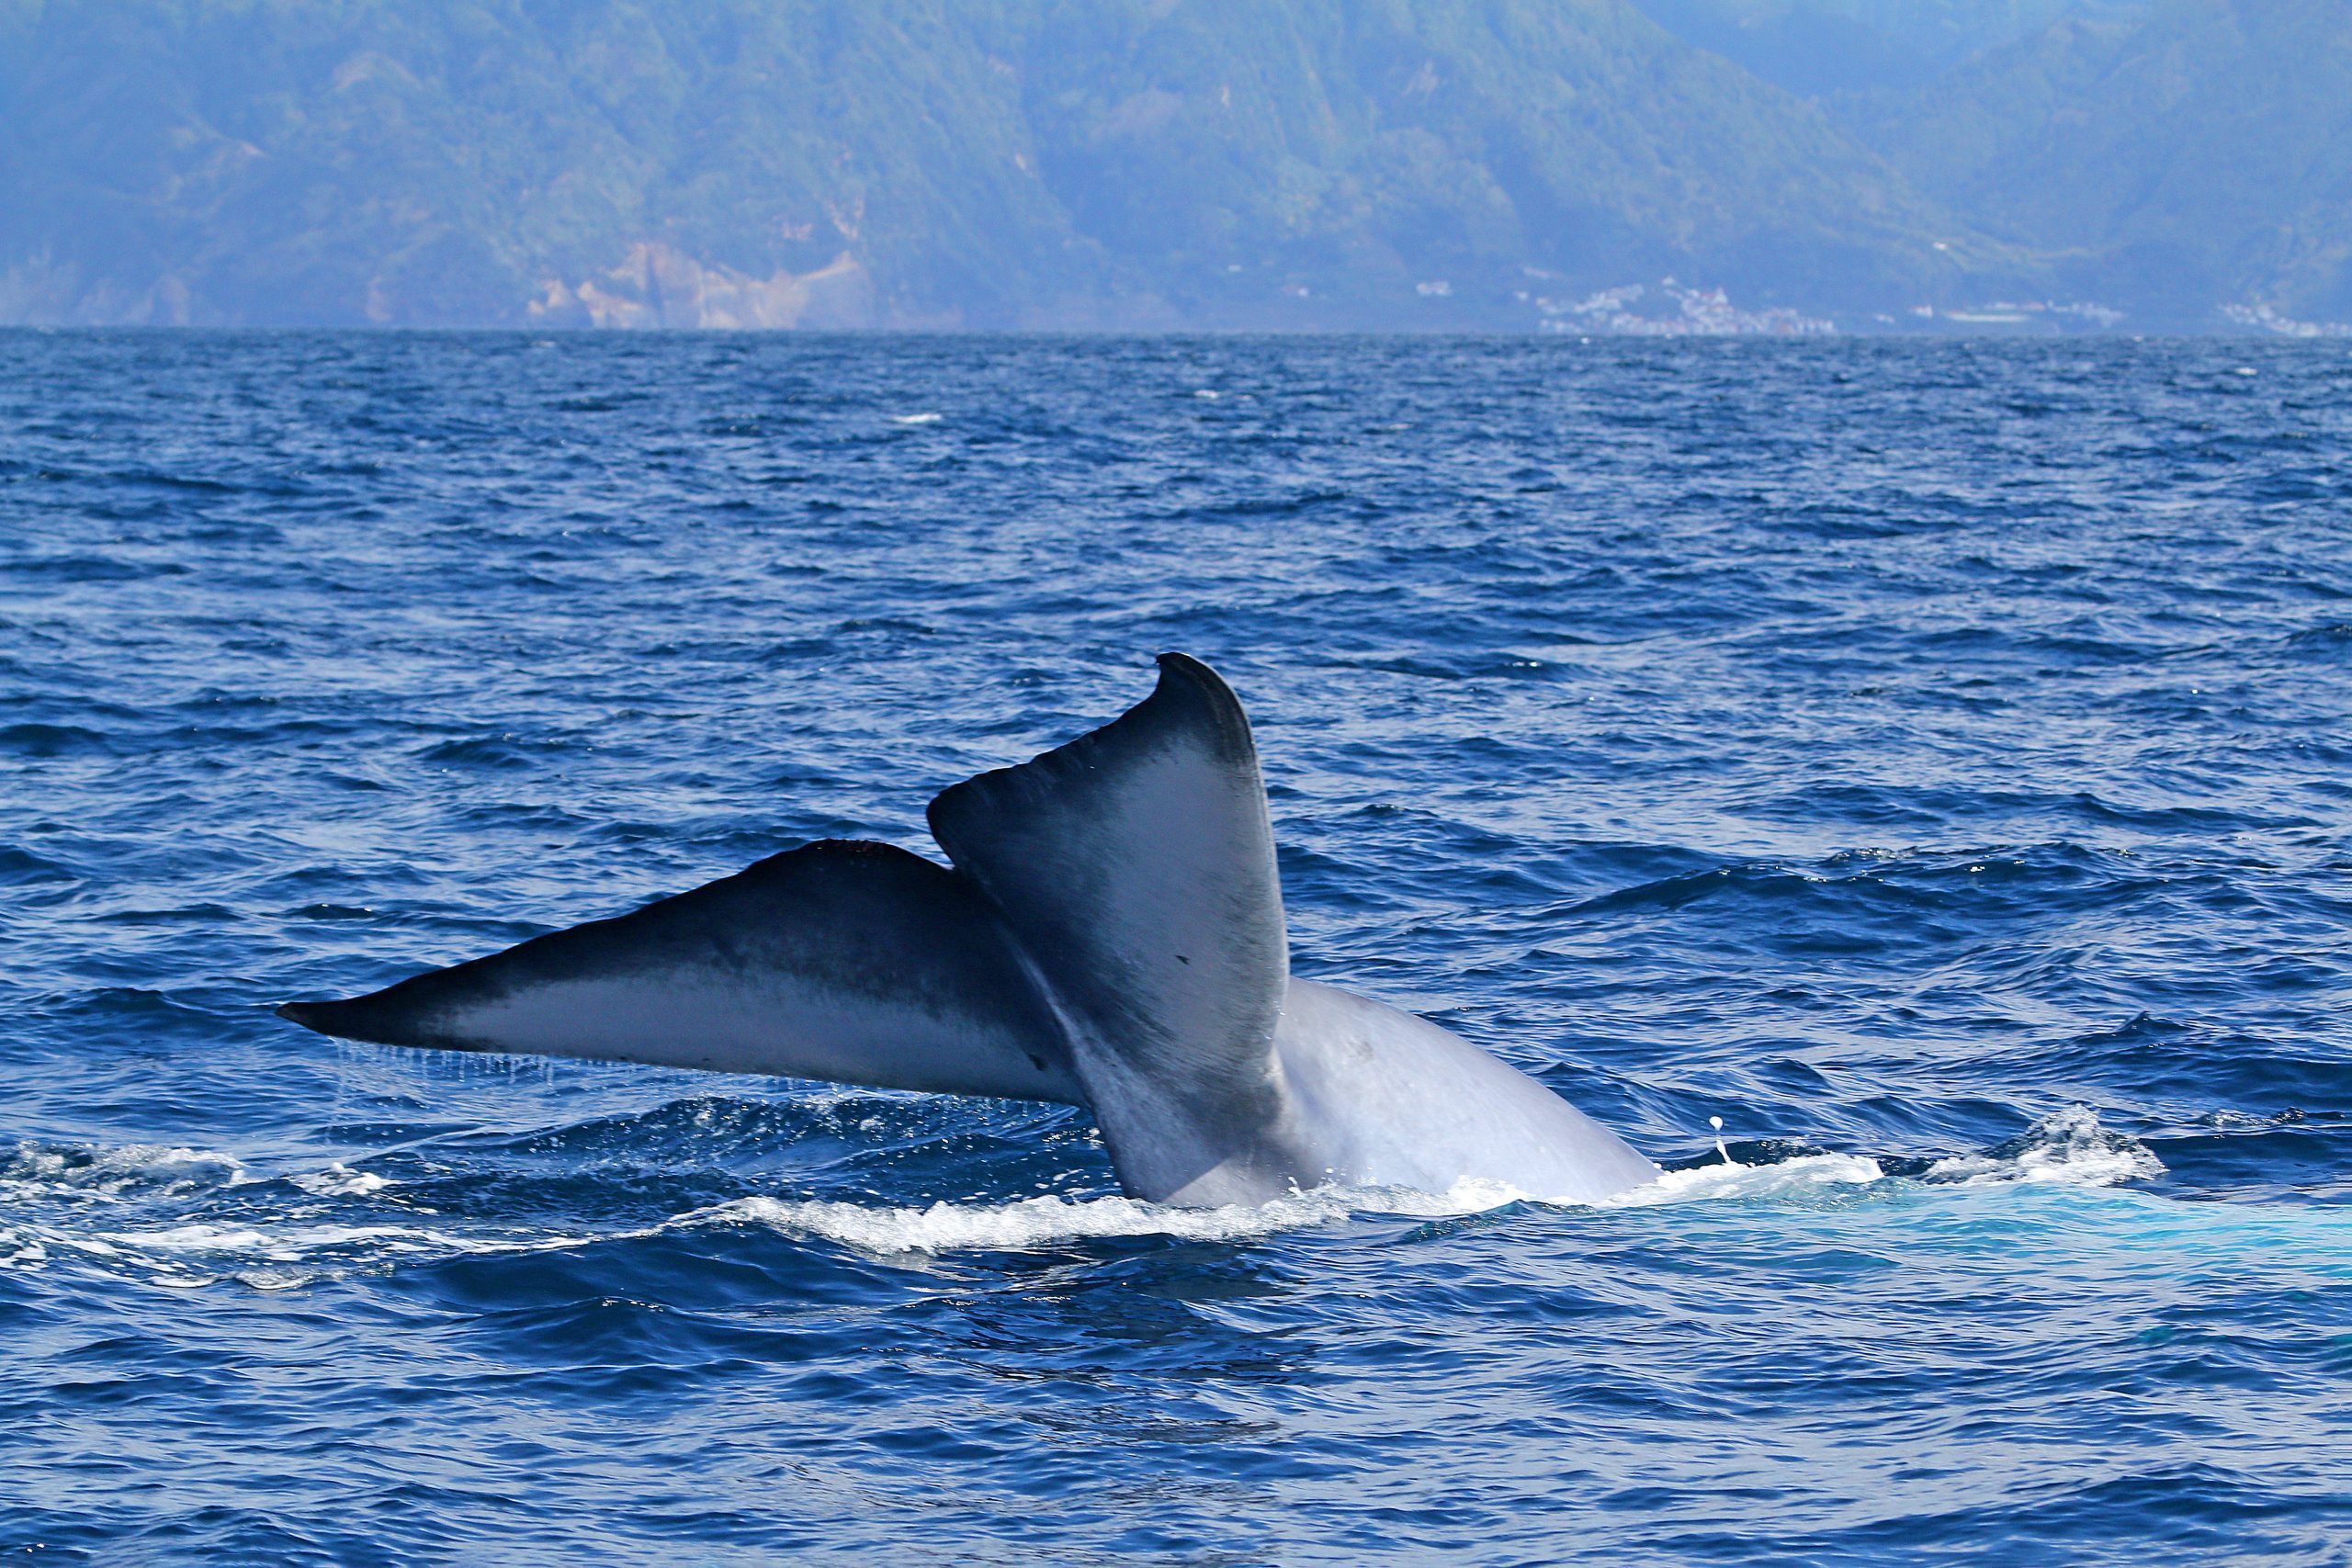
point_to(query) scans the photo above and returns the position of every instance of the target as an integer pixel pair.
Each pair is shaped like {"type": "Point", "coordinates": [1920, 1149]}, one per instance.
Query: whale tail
{"type": "Point", "coordinates": [1111, 935]}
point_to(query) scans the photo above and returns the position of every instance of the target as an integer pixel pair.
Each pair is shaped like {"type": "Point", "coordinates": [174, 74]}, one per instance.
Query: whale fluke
{"type": "Point", "coordinates": [1111, 935]}
{"type": "Point", "coordinates": [857, 963]}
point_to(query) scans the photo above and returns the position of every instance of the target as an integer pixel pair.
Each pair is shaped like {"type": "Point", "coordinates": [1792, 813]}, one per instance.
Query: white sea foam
{"type": "Point", "coordinates": [916, 419]}
{"type": "Point", "coordinates": [340, 1180]}
{"type": "Point", "coordinates": [263, 1255]}
{"type": "Point", "coordinates": [1050, 1221]}
{"type": "Point", "coordinates": [287, 1245]}
{"type": "Point", "coordinates": [33, 1172]}
{"type": "Point", "coordinates": [1807, 1176]}
{"type": "Point", "coordinates": [2070, 1147]}
{"type": "Point", "coordinates": [1046, 1222]}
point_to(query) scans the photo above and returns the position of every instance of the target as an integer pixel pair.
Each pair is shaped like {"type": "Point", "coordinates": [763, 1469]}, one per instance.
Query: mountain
{"type": "Point", "coordinates": [1815, 46]}
{"type": "Point", "coordinates": [1493, 164]}
{"type": "Point", "coordinates": [1215, 163]}
{"type": "Point", "coordinates": [2194, 154]}
{"type": "Point", "coordinates": [1366, 148]}
{"type": "Point", "coordinates": [341, 161]}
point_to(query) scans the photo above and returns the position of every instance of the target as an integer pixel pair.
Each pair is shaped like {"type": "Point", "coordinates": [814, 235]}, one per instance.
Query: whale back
{"type": "Point", "coordinates": [1136, 866]}
{"type": "Point", "coordinates": [1380, 1098]}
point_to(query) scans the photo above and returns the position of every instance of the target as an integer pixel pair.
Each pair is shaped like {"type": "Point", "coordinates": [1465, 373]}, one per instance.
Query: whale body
{"type": "Point", "coordinates": [1108, 933]}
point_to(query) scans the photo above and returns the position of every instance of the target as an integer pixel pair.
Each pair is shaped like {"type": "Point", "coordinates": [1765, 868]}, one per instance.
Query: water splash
{"type": "Point", "coordinates": [2070, 1147]}
{"type": "Point", "coordinates": [84, 1172]}
{"type": "Point", "coordinates": [340, 1180]}
{"type": "Point", "coordinates": [1807, 1177]}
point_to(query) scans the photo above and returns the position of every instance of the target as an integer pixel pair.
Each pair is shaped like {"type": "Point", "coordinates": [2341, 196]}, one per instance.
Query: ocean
{"type": "Point", "coordinates": [1932, 759]}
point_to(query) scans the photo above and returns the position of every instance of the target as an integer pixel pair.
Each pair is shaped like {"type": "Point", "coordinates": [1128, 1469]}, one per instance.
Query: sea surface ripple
{"type": "Point", "coordinates": [1935, 760]}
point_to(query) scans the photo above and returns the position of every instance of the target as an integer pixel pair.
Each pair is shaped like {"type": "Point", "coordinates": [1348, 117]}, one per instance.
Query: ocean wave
{"type": "Point", "coordinates": [1680, 724]}
{"type": "Point", "coordinates": [263, 1253]}
{"type": "Point", "coordinates": [2070, 1147]}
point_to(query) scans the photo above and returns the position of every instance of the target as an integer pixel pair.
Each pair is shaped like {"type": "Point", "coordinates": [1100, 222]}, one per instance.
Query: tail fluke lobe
{"type": "Point", "coordinates": [1135, 865]}
{"type": "Point", "coordinates": [342, 1020]}
{"type": "Point", "coordinates": [854, 963]}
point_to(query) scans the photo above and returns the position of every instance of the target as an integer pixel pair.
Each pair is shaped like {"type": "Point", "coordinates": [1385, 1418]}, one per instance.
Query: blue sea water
{"type": "Point", "coordinates": [1934, 759]}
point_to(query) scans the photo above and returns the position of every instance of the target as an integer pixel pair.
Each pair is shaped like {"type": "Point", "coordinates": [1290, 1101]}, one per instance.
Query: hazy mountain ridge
{"type": "Point", "coordinates": [1361, 152]}
{"type": "Point", "coordinates": [2196, 154]}
{"type": "Point", "coordinates": [1067, 162]}
{"type": "Point", "coordinates": [334, 162]}
{"type": "Point", "coordinates": [1814, 47]}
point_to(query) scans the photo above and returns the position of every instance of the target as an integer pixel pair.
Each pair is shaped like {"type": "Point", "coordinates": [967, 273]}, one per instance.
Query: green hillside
{"type": "Point", "coordinates": [341, 161]}
{"type": "Point", "coordinates": [1321, 163]}
{"type": "Point", "coordinates": [2197, 156]}
{"type": "Point", "coordinates": [835, 162]}
{"type": "Point", "coordinates": [1814, 47]}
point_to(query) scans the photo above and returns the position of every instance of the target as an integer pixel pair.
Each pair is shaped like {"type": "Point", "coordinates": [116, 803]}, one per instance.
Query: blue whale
{"type": "Point", "coordinates": [1108, 933]}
